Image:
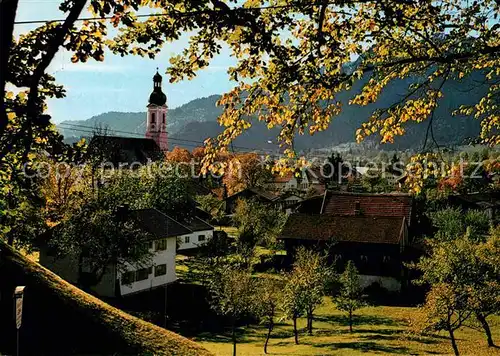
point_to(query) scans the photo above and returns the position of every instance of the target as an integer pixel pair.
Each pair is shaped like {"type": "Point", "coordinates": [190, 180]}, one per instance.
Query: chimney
{"type": "Point", "coordinates": [357, 209]}
{"type": "Point", "coordinates": [122, 212]}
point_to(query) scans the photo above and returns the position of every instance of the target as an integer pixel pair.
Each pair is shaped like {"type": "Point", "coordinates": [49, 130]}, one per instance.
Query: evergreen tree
{"type": "Point", "coordinates": [350, 297]}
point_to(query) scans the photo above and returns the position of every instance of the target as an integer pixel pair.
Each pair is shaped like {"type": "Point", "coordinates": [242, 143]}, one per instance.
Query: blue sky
{"type": "Point", "coordinates": [118, 83]}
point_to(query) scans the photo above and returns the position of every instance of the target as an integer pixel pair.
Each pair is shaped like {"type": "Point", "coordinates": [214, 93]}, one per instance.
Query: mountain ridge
{"type": "Point", "coordinates": [190, 124]}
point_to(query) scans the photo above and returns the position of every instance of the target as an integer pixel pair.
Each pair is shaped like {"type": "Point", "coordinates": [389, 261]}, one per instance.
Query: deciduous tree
{"type": "Point", "coordinates": [232, 292]}
{"type": "Point", "coordinates": [306, 286]}
{"type": "Point", "coordinates": [466, 271]}
{"type": "Point", "coordinates": [270, 293]}
{"type": "Point", "coordinates": [263, 222]}
{"type": "Point", "coordinates": [245, 170]}
{"type": "Point", "coordinates": [452, 223]}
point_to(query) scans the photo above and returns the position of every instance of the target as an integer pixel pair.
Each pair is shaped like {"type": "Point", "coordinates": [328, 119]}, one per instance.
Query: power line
{"type": "Point", "coordinates": [90, 130]}
{"type": "Point", "coordinates": [181, 14]}
{"type": "Point", "coordinates": [190, 143]}
{"type": "Point", "coordinates": [139, 134]}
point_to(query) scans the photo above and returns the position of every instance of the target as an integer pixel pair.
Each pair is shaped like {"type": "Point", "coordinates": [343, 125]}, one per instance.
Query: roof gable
{"type": "Point", "coordinates": [158, 223]}
{"type": "Point", "coordinates": [197, 224]}
{"type": "Point", "coordinates": [380, 205]}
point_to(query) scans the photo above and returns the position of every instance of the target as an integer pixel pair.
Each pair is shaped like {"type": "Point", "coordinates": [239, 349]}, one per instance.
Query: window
{"type": "Point", "coordinates": [153, 118]}
{"type": "Point", "coordinates": [160, 270]}
{"type": "Point", "coordinates": [128, 277]}
{"type": "Point", "coordinates": [147, 245]}
{"type": "Point", "coordinates": [186, 239]}
{"type": "Point", "coordinates": [141, 274]}
{"type": "Point", "coordinates": [161, 245]}
{"type": "Point", "coordinates": [364, 258]}
{"type": "Point", "coordinates": [201, 237]}
{"type": "Point", "coordinates": [387, 259]}
{"type": "Point", "coordinates": [164, 117]}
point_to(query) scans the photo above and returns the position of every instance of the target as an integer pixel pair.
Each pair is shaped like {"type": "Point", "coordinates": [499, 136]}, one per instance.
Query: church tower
{"type": "Point", "coordinates": [156, 122]}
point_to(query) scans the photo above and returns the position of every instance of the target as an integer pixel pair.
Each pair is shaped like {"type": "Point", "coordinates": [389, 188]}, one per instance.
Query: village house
{"type": "Point", "coordinates": [164, 234]}
{"type": "Point", "coordinates": [488, 202]}
{"type": "Point", "coordinates": [258, 194]}
{"type": "Point", "coordinates": [392, 178]}
{"type": "Point", "coordinates": [309, 179]}
{"type": "Point", "coordinates": [201, 232]}
{"type": "Point", "coordinates": [372, 230]}
{"type": "Point", "coordinates": [283, 201]}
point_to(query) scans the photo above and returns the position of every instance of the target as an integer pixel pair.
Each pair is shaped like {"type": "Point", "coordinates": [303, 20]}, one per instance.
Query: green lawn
{"type": "Point", "coordinates": [230, 230]}
{"type": "Point", "coordinates": [377, 330]}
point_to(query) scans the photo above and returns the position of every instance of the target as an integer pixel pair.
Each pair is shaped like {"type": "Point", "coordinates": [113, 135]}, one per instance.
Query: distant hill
{"type": "Point", "coordinates": [190, 124]}
{"type": "Point", "coordinates": [134, 123]}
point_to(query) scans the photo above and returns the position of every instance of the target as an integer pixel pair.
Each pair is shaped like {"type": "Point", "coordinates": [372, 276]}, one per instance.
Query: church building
{"type": "Point", "coordinates": [135, 150]}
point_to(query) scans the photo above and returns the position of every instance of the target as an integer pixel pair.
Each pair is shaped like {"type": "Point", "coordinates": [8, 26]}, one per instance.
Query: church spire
{"type": "Point", "coordinates": [157, 97]}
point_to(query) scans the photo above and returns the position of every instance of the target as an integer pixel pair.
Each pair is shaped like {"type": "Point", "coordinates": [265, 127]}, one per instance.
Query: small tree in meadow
{"type": "Point", "coordinates": [314, 274]}
{"type": "Point", "coordinates": [350, 297]}
{"type": "Point", "coordinates": [445, 309]}
{"type": "Point", "coordinates": [305, 288]}
{"type": "Point", "coordinates": [270, 293]}
{"type": "Point", "coordinates": [293, 305]}
{"type": "Point", "coordinates": [232, 291]}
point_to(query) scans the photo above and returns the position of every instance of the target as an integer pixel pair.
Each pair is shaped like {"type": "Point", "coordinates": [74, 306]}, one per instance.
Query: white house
{"type": "Point", "coordinates": [158, 271]}
{"type": "Point", "coordinates": [201, 232]}
{"type": "Point", "coordinates": [170, 235]}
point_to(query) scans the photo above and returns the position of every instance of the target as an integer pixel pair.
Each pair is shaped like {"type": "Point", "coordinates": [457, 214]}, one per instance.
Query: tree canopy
{"type": "Point", "coordinates": [293, 59]}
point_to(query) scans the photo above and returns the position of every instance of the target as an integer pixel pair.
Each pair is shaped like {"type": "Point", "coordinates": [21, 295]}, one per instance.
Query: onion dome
{"type": "Point", "coordinates": [157, 97]}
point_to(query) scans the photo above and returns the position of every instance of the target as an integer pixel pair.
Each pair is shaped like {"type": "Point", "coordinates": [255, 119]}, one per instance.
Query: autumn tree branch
{"type": "Point", "coordinates": [33, 116]}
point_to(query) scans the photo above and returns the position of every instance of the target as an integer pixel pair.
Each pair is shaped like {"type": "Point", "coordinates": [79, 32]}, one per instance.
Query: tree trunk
{"type": "Point", "coordinates": [310, 322]}
{"type": "Point", "coordinates": [350, 321]}
{"type": "Point", "coordinates": [270, 328]}
{"type": "Point", "coordinates": [453, 342]}
{"type": "Point", "coordinates": [295, 332]}
{"type": "Point", "coordinates": [8, 11]}
{"type": "Point", "coordinates": [234, 339]}
{"type": "Point", "coordinates": [482, 319]}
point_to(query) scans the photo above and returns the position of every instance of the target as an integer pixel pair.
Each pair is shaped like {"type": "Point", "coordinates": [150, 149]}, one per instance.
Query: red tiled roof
{"type": "Point", "coordinates": [283, 179]}
{"type": "Point", "coordinates": [379, 230]}
{"type": "Point", "coordinates": [380, 205]}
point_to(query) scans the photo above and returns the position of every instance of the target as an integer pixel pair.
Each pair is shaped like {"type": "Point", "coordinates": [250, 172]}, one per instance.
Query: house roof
{"type": "Point", "coordinates": [249, 192]}
{"type": "Point", "coordinates": [197, 224]}
{"type": "Point", "coordinates": [116, 149]}
{"type": "Point", "coordinates": [363, 229]}
{"type": "Point", "coordinates": [311, 205]}
{"type": "Point", "coordinates": [481, 200]}
{"type": "Point", "coordinates": [380, 205]}
{"type": "Point", "coordinates": [158, 223]}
